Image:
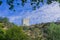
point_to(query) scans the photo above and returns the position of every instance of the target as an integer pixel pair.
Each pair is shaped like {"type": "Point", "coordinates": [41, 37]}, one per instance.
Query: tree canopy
{"type": "Point", "coordinates": [44, 31]}
{"type": "Point", "coordinates": [33, 3]}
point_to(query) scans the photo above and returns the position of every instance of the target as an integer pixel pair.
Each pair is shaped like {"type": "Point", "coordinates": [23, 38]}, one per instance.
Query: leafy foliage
{"type": "Point", "coordinates": [11, 33]}
{"type": "Point", "coordinates": [34, 3]}
{"type": "Point", "coordinates": [0, 2]}
{"type": "Point", "coordinates": [44, 31]}
{"type": "Point", "coordinates": [2, 34]}
{"type": "Point", "coordinates": [53, 32]}
{"type": "Point", "coordinates": [16, 33]}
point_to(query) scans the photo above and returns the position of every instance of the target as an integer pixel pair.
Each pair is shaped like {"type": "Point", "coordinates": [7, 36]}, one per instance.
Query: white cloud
{"type": "Point", "coordinates": [46, 13]}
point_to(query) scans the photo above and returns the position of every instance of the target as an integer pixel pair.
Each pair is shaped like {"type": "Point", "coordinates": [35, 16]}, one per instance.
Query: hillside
{"type": "Point", "coordinates": [43, 31]}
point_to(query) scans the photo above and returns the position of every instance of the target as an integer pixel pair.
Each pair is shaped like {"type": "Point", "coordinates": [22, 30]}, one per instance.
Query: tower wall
{"type": "Point", "coordinates": [25, 22]}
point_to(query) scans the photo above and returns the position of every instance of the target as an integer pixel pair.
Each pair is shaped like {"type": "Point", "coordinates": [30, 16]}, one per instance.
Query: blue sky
{"type": "Point", "coordinates": [45, 13]}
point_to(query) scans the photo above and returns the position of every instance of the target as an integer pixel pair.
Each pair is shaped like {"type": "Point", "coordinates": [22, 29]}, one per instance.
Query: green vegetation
{"type": "Point", "coordinates": [16, 33]}
{"type": "Point", "coordinates": [43, 31]}
{"type": "Point", "coordinates": [10, 31]}
{"type": "Point", "coordinates": [54, 32]}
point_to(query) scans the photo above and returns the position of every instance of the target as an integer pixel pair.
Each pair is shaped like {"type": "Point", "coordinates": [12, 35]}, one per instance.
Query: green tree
{"type": "Point", "coordinates": [2, 34]}
{"type": "Point", "coordinates": [53, 32]}
{"type": "Point", "coordinates": [1, 25]}
{"type": "Point", "coordinates": [16, 33]}
{"type": "Point", "coordinates": [4, 22]}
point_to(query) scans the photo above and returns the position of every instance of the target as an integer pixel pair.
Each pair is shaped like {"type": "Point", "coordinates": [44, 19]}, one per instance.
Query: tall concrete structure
{"type": "Point", "coordinates": [25, 22]}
